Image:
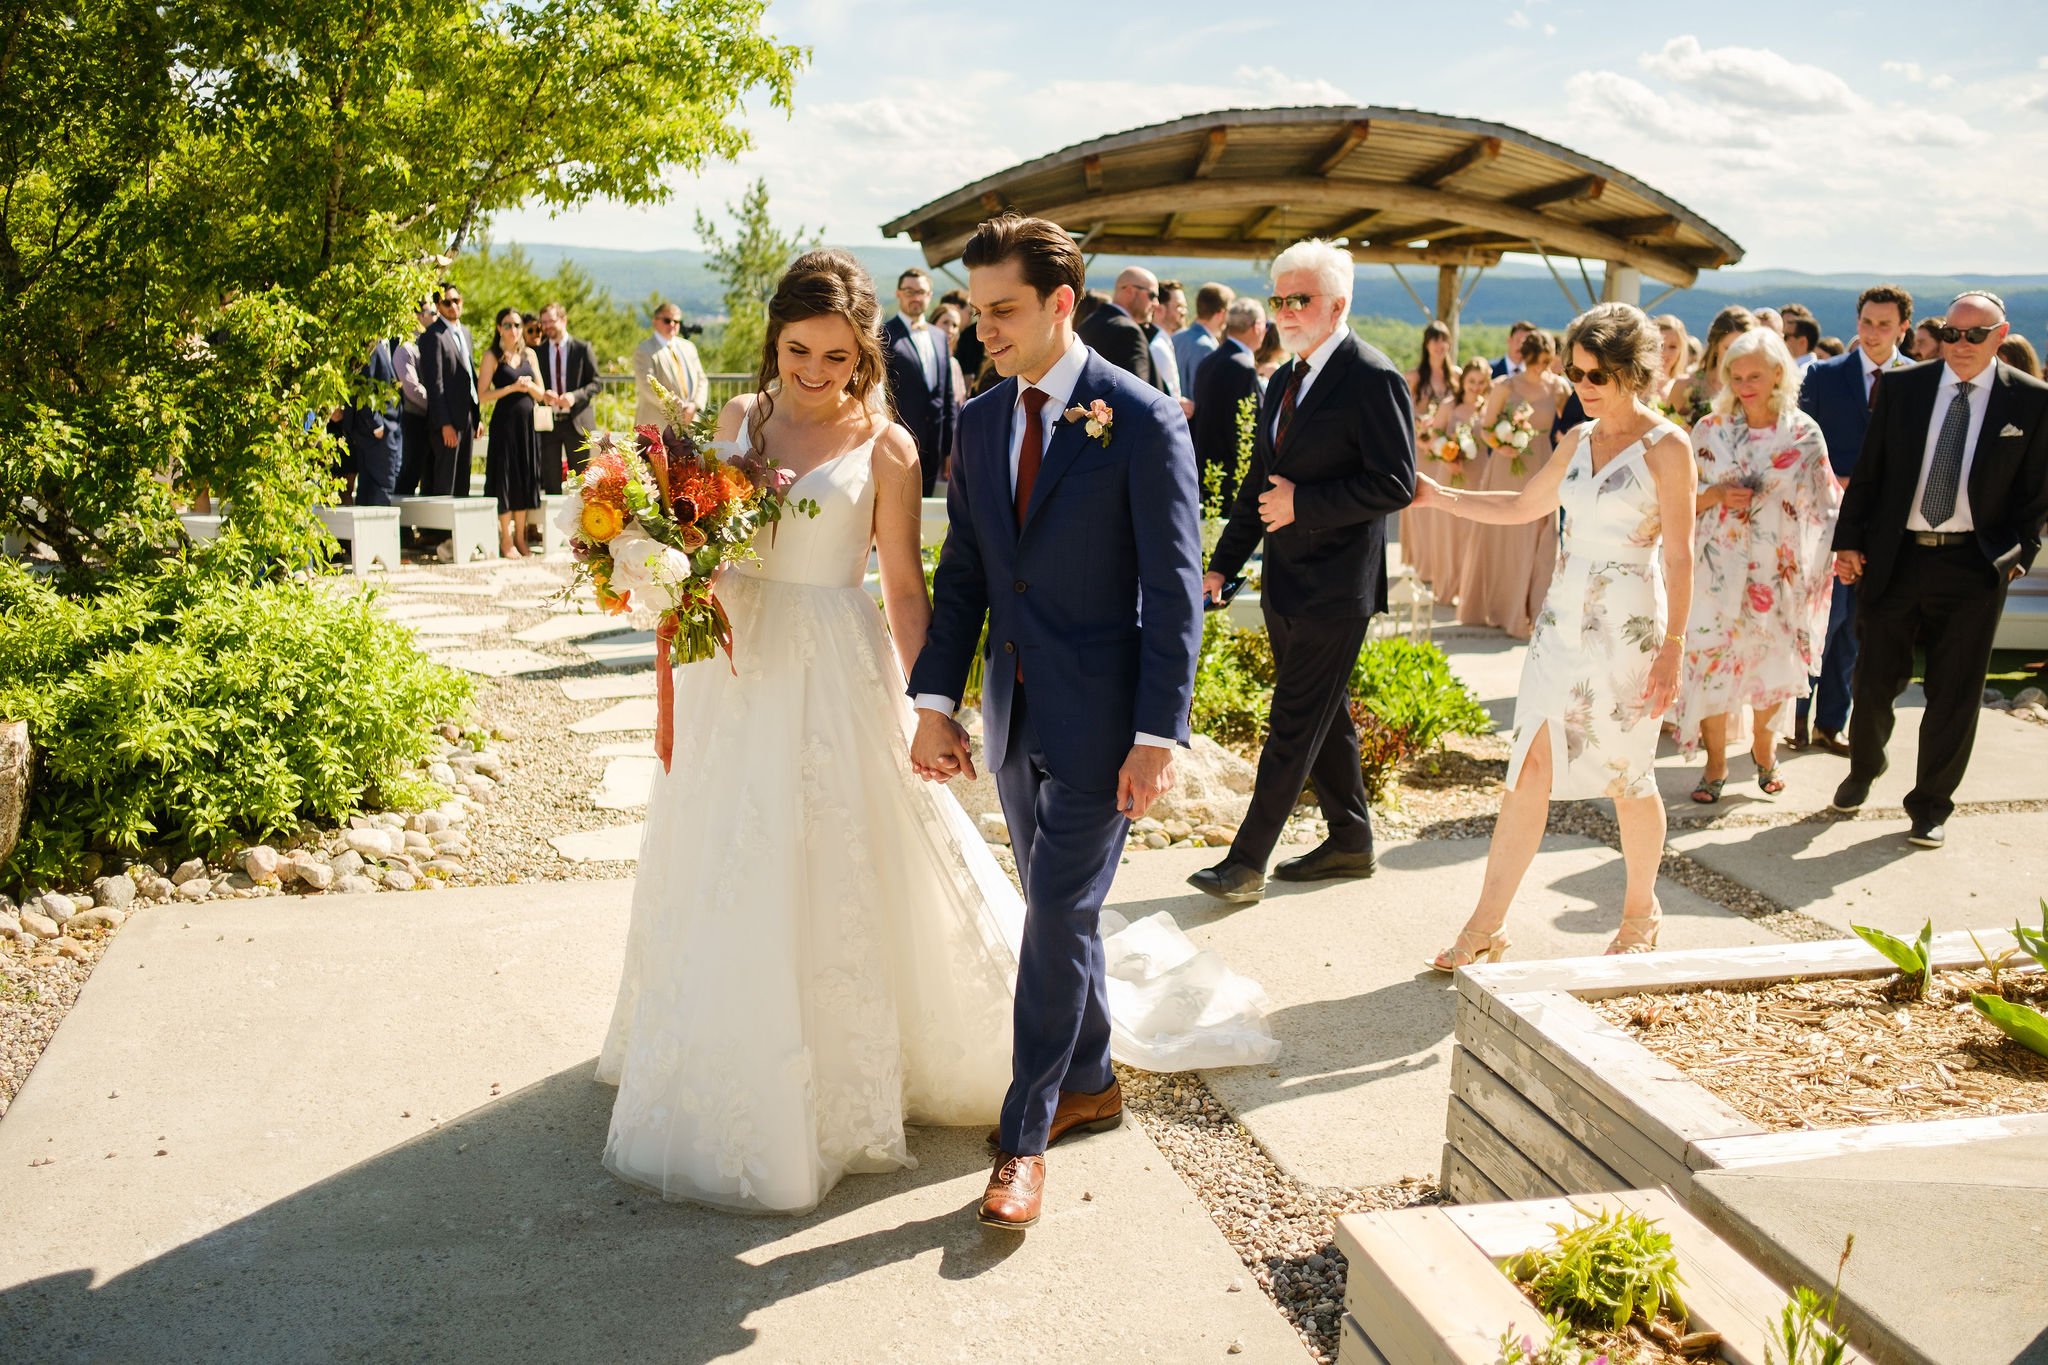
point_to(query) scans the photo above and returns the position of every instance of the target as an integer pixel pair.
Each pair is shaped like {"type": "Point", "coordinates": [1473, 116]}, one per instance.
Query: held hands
{"type": "Point", "coordinates": [1146, 776]}
{"type": "Point", "coordinates": [1848, 565]}
{"type": "Point", "coordinates": [1429, 493]}
{"type": "Point", "coordinates": [1737, 498]}
{"type": "Point", "coordinates": [1276, 504]}
{"type": "Point", "coordinates": [939, 751]}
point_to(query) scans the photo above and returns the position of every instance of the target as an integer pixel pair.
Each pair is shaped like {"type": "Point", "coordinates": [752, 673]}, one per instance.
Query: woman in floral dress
{"type": "Point", "coordinates": [1604, 663]}
{"type": "Point", "coordinates": [1761, 587]}
{"type": "Point", "coordinates": [1508, 570]}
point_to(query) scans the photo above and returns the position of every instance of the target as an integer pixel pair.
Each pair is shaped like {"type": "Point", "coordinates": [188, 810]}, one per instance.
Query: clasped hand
{"type": "Point", "coordinates": [939, 751]}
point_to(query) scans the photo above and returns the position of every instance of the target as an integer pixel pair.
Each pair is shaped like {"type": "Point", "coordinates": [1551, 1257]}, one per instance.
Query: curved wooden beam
{"type": "Point", "coordinates": [1316, 195]}
{"type": "Point", "coordinates": [1109, 244]}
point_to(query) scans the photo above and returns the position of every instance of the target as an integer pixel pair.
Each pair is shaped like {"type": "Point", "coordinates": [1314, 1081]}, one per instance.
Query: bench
{"type": "Point", "coordinates": [471, 522]}
{"type": "Point", "coordinates": [202, 525]}
{"type": "Point", "coordinates": [551, 537]}
{"type": "Point", "coordinates": [371, 534]}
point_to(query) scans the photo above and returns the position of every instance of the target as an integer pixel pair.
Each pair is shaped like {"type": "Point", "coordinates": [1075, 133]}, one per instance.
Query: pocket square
{"type": "Point", "coordinates": [2011, 430]}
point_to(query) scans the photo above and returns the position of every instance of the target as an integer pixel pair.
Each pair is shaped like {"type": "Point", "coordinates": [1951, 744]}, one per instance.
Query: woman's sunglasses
{"type": "Point", "coordinates": [1599, 379]}
{"type": "Point", "coordinates": [1976, 336]}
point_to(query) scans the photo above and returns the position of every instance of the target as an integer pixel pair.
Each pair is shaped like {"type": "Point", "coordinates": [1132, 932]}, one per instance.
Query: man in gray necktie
{"type": "Point", "coordinates": [1946, 508]}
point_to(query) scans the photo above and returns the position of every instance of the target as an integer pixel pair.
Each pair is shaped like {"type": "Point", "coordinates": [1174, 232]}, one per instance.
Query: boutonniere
{"type": "Point", "coordinates": [1098, 420]}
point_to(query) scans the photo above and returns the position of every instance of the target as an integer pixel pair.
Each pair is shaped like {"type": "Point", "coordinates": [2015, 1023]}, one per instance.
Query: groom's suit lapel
{"type": "Point", "coordinates": [995, 461]}
{"type": "Point", "coordinates": [1067, 437]}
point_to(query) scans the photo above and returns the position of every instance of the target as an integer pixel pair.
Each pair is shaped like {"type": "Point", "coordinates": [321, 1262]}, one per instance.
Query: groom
{"type": "Point", "coordinates": [1081, 552]}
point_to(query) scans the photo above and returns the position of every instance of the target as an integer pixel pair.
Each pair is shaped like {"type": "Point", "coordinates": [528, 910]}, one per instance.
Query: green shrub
{"type": "Point", "coordinates": [1604, 1271]}
{"type": "Point", "coordinates": [1410, 687]}
{"type": "Point", "coordinates": [1233, 684]}
{"type": "Point", "coordinates": [184, 711]}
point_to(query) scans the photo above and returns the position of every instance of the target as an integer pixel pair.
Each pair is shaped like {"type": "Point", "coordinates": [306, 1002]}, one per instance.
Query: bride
{"type": "Point", "coordinates": [822, 948]}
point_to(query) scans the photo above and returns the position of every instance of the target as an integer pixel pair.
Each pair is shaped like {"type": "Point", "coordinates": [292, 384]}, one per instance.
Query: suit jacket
{"type": "Point", "coordinates": [579, 372]}
{"type": "Point", "coordinates": [1832, 394]}
{"type": "Point", "coordinates": [1350, 452]}
{"type": "Point", "coordinates": [1228, 377]}
{"type": "Point", "coordinates": [448, 371]}
{"type": "Point", "coordinates": [927, 412]}
{"type": "Point", "coordinates": [1107, 526]}
{"type": "Point", "coordinates": [1114, 335]}
{"type": "Point", "coordinates": [676, 365]}
{"type": "Point", "coordinates": [2008, 481]}
{"type": "Point", "coordinates": [1191, 346]}
{"type": "Point", "coordinates": [1499, 367]}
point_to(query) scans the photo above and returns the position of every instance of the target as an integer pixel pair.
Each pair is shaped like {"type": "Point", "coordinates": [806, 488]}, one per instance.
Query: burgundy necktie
{"type": "Point", "coordinates": [1876, 377]}
{"type": "Point", "coordinates": [1287, 402]}
{"type": "Point", "coordinates": [1031, 453]}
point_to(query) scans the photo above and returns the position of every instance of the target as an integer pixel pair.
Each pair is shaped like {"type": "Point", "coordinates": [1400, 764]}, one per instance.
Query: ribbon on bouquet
{"type": "Point", "coordinates": [664, 690]}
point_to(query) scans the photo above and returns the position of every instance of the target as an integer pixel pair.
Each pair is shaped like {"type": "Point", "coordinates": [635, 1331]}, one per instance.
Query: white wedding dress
{"type": "Point", "coordinates": [822, 947]}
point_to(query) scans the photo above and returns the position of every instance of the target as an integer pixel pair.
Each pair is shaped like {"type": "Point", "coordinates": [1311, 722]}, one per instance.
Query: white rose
{"type": "Point", "coordinates": [1503, 429]}
{"type": "Point", "coordinates": [641, 564]}
{"type": "Point", "coordinates": [569, 513]}
{"type": "Point", "coordinates": [1520, 441]}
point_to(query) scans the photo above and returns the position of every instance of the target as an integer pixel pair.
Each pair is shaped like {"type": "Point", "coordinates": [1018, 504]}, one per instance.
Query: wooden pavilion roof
{"type": "Point", "coordinates": [1402, 185]}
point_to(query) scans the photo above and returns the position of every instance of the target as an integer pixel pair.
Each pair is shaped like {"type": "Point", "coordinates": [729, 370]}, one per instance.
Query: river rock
{"type": "Point", "coordinates": [994, 828]}
{"type": "Point", "coordinates": [103, 918]}
{"type": "Point", "coordinates": [262, 864]}
{"type": "Point", "coordinates": [315, 874]}
{"type": "Point", "coordinates": [347, 863]}
{"type": "Point", "coordinates": [416, 842]}
{"type": "Point", "coordinates": [39, 924]}
{"type": "Point", "coordinates": [441, 773]}
{"type": "Point", "coordinates": [195, 889]}
{"type": "Point", "coordinates": [2030, 696]}
{"type": "Point", "coordinates": [15, 756]}
{"type": "Point", "coordinates": [56, 905]}
{"type": "Point", "coordinates": [1212, 786]}
{"type": "Point", "coordinates": [445, 867]}
{"type": "Point", "coordinates": [355, 885]}
{"type": "Point", "coordinates": [448, 838]}
{"type": "Point", "coordinates": [373, 843]}
{"type": "Point", "coordinates": [71, 948]}
{"type": "Point", "coordinates": [116, 891]}
{"type": "Point", "coordinates": [187, 870]}
{"type": "Point", "coordinates": [398, 879]}
{"type": "Point", "coordinates": [1157, 840]}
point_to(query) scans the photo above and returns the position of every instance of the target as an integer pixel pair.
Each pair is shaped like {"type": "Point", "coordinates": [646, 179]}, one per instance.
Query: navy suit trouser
{"type": "Point", "coordinates": [1068, 843]}
{"type": "Point", "coordinates": [1837, 664]}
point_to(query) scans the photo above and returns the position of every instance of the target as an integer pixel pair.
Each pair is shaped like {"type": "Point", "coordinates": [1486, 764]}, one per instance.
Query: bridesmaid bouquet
{"type": "Point", "coordinates": [1514, 431]}
{"type": "Point", "coordinates": [1457, 450]}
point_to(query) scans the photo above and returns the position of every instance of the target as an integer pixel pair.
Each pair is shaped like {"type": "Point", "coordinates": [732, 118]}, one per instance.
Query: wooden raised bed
{"type": "Point", "coordinates": [1424, 1287]}
{"type": "Point", "coordinates": [1549, 1098]}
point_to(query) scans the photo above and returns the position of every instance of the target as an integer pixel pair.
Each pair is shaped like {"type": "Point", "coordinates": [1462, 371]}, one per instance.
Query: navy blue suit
{"type": "Point", "coordinates": [926, 412]}
{"type": "Point", "coordinates": [1094, 623]}
{"type": "Point", "coordinates": [1834, 396]}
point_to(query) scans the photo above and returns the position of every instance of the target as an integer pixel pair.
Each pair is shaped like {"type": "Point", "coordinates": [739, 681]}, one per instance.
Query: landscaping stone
{"type": "Point", "coordinates": [103, 919]}
{"type": "Point", "coordinates": [994, 828]}
{"type": "Point", "coordinates": [194, 889]}
{"type": "Point", "coordinates": [445, 867]}
{"type": "Point", "coordinates": [354, 885]}
{"type": "Point", "coordinates": [261, 864]}
{"type": "Point", "coordinates": [347, 863]}
{"type": "Point", "coordinates": [398, 879]}
{"type": "Point", "coordinates": [1211, 785]}
{"type": "Point", "coordinates": [316, 874]}
{"type": "Point", "coordinates": [15, 757]}
{"type": "Point", "coordinates": [116, 891]}
{"type": "Point", "coordinates": [39, 924]}
{"type": "Point", "coordinates": [373, 843]}
{"type": "Point", "coordinates": [187, 870]}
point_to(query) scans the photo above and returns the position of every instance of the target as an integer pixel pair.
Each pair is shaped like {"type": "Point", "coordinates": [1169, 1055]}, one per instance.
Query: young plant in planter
{"type": "Point", "coordinates": [1914, 960]}
{"type": "Point", "coordinates": [1807, 1331]}
{"type": "Point", "coordinates": [2023, 1024]}
{"type": "Point", "coordinates": [1608, 1272]}
{"type": "Point", "coordinates": [2034, 942]}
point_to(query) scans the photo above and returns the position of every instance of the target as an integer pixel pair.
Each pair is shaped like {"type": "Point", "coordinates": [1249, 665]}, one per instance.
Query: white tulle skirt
{"type": "Point", "coordinates": [822, 948]}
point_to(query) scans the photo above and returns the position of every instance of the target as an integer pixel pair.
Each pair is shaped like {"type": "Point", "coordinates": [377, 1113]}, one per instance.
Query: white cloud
{"type": "Point", "coordinates": [1596, 98]}
{"type": "Point", "coordinates": [1915, 74]}
{"type": "Point", "coordinates": [1751, 77]}
{"type": "Point", "coordinates": [1518, 19]}
{"type": "Point", "coordinates": [1550, 30]}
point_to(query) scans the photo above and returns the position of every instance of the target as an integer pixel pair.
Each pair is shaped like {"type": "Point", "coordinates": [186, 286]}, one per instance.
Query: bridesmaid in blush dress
{"type": "Point", "coordinates": [1509, 569]}
{"type": "Point", "coordinates": [1431, 385]}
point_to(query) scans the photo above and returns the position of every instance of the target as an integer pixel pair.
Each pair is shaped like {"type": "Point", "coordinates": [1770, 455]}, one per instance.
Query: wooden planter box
{"type": "Point", "coordinates": [1548, 1098]}
{"type": "Point", "coordinates": [1424, 1287]}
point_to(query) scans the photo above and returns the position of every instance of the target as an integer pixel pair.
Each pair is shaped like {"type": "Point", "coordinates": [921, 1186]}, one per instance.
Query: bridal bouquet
{"type": "Point", "coordinates": [1514, 431]}
{"type": "Point", "coordinates": [661, 517]}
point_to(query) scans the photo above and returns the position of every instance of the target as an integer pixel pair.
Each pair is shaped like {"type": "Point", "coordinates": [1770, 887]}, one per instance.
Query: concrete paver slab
{"type": "Point", "coordinates": [1946, 1266]}
{"type": "Point", "coordinates": [634, 713]}
{"type": "Point", "coordinates": [445, 587]}
{"type": "Point", "coordinates": [1358, 1095]}
{"type": "Point", "coordinates": [402, 608]}
{"type": "Point", "coordinates": [570, 628]}
{"type": "Point", "coordinates": [497, 663]}
{"type": "Point", "coordinates": [603, 689]}
{"type": "Point", "coordinates": [460, 624]}
{"type": "Point", "coordinates": [613, 844]}
{"type": "Point", "coordinates": [632, 748]}
{"type": "Point", "coordinates": [381, 1136]}
{"type": "Point", "coordinates": [1993, 868]}
{"type": "Point", "coordinates": [633, 650]}
{"type": "Point", "coordinates": [626, 783]}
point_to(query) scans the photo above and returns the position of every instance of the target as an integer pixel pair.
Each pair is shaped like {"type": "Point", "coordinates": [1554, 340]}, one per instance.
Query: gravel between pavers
{"type": "Point", "coordinates": [33, 1001]}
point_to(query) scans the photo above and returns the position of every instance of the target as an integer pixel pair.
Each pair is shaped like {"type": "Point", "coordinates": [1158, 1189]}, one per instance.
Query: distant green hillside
{"type": "Point", "coordinates": [1506, 293]}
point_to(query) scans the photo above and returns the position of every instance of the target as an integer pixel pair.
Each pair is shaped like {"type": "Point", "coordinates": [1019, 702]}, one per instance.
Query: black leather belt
{"type": "Point", "coordinates": [1934, 538]}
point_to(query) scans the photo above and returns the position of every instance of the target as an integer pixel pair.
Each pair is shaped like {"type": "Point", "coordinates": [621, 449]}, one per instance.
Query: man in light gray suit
{"type": "Point", "coordinates": [668, 356]}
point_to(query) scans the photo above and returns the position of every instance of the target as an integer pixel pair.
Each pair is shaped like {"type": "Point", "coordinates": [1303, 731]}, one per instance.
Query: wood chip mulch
{"type": "Point", "coordinates": [1846, 1051]}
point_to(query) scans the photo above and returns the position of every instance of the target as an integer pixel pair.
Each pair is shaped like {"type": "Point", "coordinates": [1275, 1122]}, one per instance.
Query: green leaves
{"type": "Point", "coordinates": [2023, 1024]}
{"type": "Point", "coordinates": [1617, 1266]}
{"type": "Point", "coordinates": [1914, 960]}
{"type": "Point", "coordinates": [2034, 942]}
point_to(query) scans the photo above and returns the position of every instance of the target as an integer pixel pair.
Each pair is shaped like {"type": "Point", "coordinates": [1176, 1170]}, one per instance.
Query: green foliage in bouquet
{"type": "Point", "coordinates": [185, 712]}
{"type": "Point", "coordinates": [1914, 960]}
{"type": "Point", "coordinates": [1604, 1271]}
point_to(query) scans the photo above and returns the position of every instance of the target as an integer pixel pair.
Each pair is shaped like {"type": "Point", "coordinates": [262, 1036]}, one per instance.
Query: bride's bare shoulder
{"type": "Point", "coordinates": [896, 451]}
{"type": "Point", "coordinates": [733, 416]}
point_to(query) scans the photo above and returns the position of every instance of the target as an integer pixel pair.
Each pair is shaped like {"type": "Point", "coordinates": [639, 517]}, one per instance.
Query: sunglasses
{"type": "Point", "coordinates": [666, 322]}
{"type": "Point", "coordinates": [1297, 302]}
{"type": "Point", "coordinates": [1599, 379]}
{"type": "Point", "coordinates": [1949, 336]}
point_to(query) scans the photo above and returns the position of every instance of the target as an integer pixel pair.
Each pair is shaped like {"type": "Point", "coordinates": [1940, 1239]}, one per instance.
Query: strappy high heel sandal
{"type": "Point", "coordinates": [1638, 933]}
{"type": "Point", "coordinates": [1768, 781]}
{"type": "Point", "coordinates": [1709, 790]}
{"type": "Point", "coordinates": [1469, 948]}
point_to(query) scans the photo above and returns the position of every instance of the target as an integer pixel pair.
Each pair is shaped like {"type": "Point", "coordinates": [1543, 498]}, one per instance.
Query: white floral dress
{"type": "Point", "coordinates": [1762, 579]}
{"type": "Point", "coordinates": [1598, 631]}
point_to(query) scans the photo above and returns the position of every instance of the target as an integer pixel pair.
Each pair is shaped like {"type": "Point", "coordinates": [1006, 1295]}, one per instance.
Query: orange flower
{"type": "Point", "coordinates": [601, 521]}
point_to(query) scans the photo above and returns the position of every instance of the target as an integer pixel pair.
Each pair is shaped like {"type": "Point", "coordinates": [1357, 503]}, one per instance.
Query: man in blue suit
{"type": "Point", "coordinates": [1511, 363]}
{"type": "Point", "coordinates": [1839, 395]}
{"type": "Point", "coordinates": [1061, 525]}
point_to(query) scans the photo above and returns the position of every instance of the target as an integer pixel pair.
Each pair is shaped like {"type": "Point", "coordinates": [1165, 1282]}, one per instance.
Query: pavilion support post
{"type": "Point", "coordinates": [1621, 284]}
{"type": "Point", "coordinates": [1447, 303]}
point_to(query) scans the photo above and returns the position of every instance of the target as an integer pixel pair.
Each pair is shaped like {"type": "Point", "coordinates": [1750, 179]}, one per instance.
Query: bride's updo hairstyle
{"type": "Point", "coordinates": [821, 283]}
{"type": "Point", "coordinates": [1623, 341]}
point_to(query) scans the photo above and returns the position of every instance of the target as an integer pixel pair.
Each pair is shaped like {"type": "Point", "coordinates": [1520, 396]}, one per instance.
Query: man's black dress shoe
{"type": "Point", "coordinates": [1802, 732]}
{"type": "Point", "coordinates": [1228, 881]}
{"type": "Point", "coordinates": [1832, 742]}
{"type": "Point", "coordinates": [1850, 796]}
{"type": "Point", "coordinates": [1928, 834]}
{"type": "Point", "coordinates": [1324, 863]}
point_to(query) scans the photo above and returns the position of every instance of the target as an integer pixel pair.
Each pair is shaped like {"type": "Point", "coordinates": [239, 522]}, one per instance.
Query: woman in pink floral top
{"type": "Point", "coordinates": [1767, 506]}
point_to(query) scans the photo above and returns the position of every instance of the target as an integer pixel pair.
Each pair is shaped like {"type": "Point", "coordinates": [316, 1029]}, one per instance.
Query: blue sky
{"type": "Point", "coordinates": [1874, 137]}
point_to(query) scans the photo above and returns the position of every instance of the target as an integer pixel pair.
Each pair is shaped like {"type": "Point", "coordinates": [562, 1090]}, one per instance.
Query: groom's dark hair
{"type": "Point", "coordinates": [1044, 252]}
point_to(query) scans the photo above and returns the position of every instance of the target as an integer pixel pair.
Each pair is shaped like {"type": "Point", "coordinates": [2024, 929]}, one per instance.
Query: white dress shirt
{"type": "Point", "coordinates": [1317, 359]}
{"type": "Point", "coordinates": [927, 354]}
{"type": "Point", "coordinates": [1161, 347]}
{"type": "Point", "coordinates": [1057, 385]}
{"type": "Point", "coordinates": [1980, 399]}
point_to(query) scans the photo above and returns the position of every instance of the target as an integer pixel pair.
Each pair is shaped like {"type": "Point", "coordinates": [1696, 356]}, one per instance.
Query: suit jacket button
{"type": "Point", "coordinates": [1021, 585]}
{"type": "Point", "coordinates": [1009, 647]}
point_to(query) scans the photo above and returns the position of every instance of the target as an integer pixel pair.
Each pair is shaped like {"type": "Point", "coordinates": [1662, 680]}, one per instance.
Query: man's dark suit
{"type": "Point", "coordinates": [370, 427]}
{"type": "Point", "coordinates": [448, 372]}
{"type": "Point", "coordinates": [1115, 336]}
{"type": "Point", "coordinates": [1226, 379]}
{"type": "Point", "coordinates": [1944, 599]}
{"type": "Point", "coordinates": [1350, 451]}
{"type": "Point", "coordinates": [1834, 395]}
{"type": "Point", "coordinates": [580, 382]}
{"type": "Point", "coordinates": [929, 413]}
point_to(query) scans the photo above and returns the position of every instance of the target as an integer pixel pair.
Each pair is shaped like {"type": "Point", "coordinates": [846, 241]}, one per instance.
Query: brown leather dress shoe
{"type": "Point", "coordinates": [1079, 1113]}
{"type": "Point", "coordinates": [1016, 1190]}
{"type": "Point", "coordinates": [1831, 742]}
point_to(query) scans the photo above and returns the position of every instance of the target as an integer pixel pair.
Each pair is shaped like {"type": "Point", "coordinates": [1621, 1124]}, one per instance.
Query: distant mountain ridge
{"type": "Point", "coordinates": [1506, 292]}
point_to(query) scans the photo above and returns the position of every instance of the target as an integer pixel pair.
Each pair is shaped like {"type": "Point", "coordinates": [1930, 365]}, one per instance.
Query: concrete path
{"type": "Point", "coordinates": [1358, 1095]}
{"type": "Point", "coordinates": [269, 1132]}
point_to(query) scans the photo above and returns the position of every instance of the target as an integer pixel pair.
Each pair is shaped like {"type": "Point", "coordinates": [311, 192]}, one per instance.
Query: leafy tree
{"type": "Point", "coordinates": [208, 213]}
{"type": "Point", "coordinates": [496, 277]}
{"type": "Point", "coordinates": [750, 264]}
